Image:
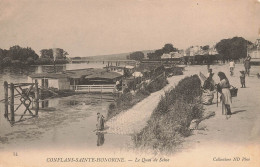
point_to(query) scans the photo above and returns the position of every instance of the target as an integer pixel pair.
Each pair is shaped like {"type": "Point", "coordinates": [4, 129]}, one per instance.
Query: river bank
{"type": "Point", "coordinates": [235, 137]}
{"type": "Point", "coordinates": [221, 138]}
{"type": "Point", "coordinates": [238, 136]}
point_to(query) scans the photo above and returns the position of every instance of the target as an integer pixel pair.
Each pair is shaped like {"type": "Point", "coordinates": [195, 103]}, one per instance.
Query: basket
{"type": "Point", "coordinates": [233, 91]}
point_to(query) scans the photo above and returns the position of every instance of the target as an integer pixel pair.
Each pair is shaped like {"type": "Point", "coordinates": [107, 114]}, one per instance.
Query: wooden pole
{"type": "Point", "coordinates": [217, 98]}
{"type": "Point", "coordinates": [36, 97]}
{"type": "Point", "coordinates": [6, 98]}
{"type": "Point", "coordinates": [74, 87]}
{"type": "Point", "coordinates": [12, 101]}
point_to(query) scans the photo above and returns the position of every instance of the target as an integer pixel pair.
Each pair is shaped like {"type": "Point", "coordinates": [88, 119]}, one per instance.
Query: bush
{"type": "Point", "coordinates": [112, 106]}
{"type": "Point", "coordinates": [189, 88]}
{"type": "Point", "coordinates": [171, 119]}
{"type": "Point", "coordinates": [122, 103]}
{"type": "Point", "coordinates": [126, 90]}
{"type": "Point", "coordinates": [157, 84]}
{"type": "Point", "coordinates": [126, 100]}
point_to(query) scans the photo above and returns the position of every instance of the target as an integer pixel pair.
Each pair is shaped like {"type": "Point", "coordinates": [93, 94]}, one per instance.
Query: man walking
{"type": "Point", "coordinates": [247, 65]}
{"type": "Point", "coordinates": [231, 67]}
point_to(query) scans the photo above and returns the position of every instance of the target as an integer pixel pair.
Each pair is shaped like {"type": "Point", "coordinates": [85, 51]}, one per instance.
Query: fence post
{"type": "Point", "coordinates": [12, 101]}
{"type": "Point", "coordinates": [36, 97]}
{"type": "Point", "coordinates": [6, 98]}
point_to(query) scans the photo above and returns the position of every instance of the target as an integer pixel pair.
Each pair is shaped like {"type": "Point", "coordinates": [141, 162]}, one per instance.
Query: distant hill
{"type": "Point", "coordinates": [119, 56]}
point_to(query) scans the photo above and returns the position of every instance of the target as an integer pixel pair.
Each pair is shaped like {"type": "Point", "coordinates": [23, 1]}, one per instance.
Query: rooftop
{"type": "Point", "coordinates": [49, 75]}
{"type": "Point", "coordinates": [70, 73]}
{"type": "Point", "coordinates": [104, 75]}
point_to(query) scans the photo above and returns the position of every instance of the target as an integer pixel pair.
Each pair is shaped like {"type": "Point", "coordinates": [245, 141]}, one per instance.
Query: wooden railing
{"type": "Point", "coordinates": [94, 88]}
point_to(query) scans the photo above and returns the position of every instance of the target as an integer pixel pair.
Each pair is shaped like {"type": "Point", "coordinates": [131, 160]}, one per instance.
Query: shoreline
{"type": "Point", "coordinates": [123, 123]}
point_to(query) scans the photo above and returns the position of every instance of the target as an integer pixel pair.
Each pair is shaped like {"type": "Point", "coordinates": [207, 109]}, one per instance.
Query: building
{"type": "Point", "coordinates": [254, 53]}
{"type": "Point", "coordinates": [58, 81]}
{"type": "Point", "coordinates": [86, 80]}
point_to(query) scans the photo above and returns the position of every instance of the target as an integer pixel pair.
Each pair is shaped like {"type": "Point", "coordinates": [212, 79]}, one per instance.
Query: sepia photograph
{"type": "Point", "coordinates": [166, 83]}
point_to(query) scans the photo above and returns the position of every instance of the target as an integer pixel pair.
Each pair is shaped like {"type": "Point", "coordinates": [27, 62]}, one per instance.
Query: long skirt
{"type": "Point", "coordinates": [100, 123]}
{"type": "Point", "coordinates": [226, 99]}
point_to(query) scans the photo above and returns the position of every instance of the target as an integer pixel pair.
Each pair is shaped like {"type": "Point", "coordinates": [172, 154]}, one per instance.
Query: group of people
{"type": "Point", "coordinates": [243, 73]}
{"type": "Point", "coordinates": [223, 87]}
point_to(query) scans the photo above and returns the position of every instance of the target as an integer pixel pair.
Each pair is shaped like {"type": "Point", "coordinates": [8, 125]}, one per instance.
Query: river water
{"type": "Point", "coordinates": [66, 122]}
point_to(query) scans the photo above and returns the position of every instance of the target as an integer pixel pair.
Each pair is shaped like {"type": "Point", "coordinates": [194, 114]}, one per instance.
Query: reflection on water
{"type": "Point", "coordinates": [100, 138]}
{"type": "Point", "coordinates": [67, 121]}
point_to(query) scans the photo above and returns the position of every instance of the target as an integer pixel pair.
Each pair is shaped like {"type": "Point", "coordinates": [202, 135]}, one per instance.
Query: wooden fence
{"type": "Point", "coordinates": [94, 88]}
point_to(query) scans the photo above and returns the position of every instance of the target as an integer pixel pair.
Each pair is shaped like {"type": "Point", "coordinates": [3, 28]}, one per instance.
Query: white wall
{"type": "Point", "coordinates": [51, 82]}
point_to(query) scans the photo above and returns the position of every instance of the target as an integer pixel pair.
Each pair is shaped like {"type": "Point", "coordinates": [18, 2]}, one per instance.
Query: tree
{"type": "Point", "coordinates": [59, 53]}
{"type": "Point", "coordinates": [152, 56]}
{"type": "Point", "coordinates": [7, 61]}
{"type": "Point", "coordinates": [47, 53]}
{"type": "Point", "coordinates": [167, 48]}
{"type": "Point", "coordinates": [137, 56]}
{"type": "Point", "coordinates": [156, 55]}
{"type": "Point", "coordinates": [206, 47]}
{"type": "Point", "coordinates": [234, 48]}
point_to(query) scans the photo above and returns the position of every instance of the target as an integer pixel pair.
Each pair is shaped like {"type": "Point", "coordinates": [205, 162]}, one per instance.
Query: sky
{"type": "Point", "coordinates": [100, 27]}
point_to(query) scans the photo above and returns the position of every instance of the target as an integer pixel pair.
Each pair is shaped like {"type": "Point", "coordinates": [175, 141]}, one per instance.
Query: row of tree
{"type": "Point", "coordinates": [157, 54]}
{"type": "Point", "coordinates": [167, 48]}
{"type": "Point", "coordinates": [17, 55]}
{"type": "Point", "coordinates": [232, 48]}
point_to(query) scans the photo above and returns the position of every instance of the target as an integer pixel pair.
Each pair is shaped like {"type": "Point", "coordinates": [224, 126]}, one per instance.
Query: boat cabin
{"type": "Point", "coordinates": [51, 80]}
{"type": "Point", "coordinates": [90, 80]}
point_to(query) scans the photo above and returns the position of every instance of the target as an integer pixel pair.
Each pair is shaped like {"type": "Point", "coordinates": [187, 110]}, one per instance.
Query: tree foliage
{"type": "Point", "coordinates": [48, 53]}
{"type": "Point", "coordinates": [167, 48]}
{"type": "Point", "coordinates": [136, 56]}
{"type": "Point", "coordinates": [234, 48]}
{"type": "Point", "coordinates": [206, 47]}
{"type": "Point", "coordinates": [17, 55]}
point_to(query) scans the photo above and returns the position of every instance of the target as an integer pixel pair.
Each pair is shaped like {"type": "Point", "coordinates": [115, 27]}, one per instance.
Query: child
{"type": "Point", "coordinates": [243, 79]}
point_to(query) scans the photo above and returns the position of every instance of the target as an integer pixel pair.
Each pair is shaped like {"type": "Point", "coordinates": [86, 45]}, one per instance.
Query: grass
{"type": "Point", "coordinates": [171, 119]}
{"type": "Point", "coordinates": [127, 100]}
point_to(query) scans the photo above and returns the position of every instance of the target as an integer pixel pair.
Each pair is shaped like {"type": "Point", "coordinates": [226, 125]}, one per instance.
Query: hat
{"type": "Point", "coordinates": [242, 72]}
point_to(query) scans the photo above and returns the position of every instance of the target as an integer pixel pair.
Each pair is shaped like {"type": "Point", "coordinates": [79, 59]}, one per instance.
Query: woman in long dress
{"type": "Point", "coordinates": [100, 122]}
{"type": "Point", "coordinates": [223, 88]}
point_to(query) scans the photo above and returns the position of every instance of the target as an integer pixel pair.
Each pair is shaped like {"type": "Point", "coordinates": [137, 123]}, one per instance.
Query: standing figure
{"type": "Point", "coordinates": [208, 90]}
{"type": "Point", "coordinates": [223, 87]}
{"type": "Point", "coordinates": [210, 72]}
{"type": "Point", "coordinates": [243, 79]}
{"type": "Point", "coordinates": [100, 122]}
{"type": "Point", "coordinates": [247, 65]}
{"type": "Point", "coordinates": [118, 85]}
{"type": "Point", "coordinates": [231, 67]}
